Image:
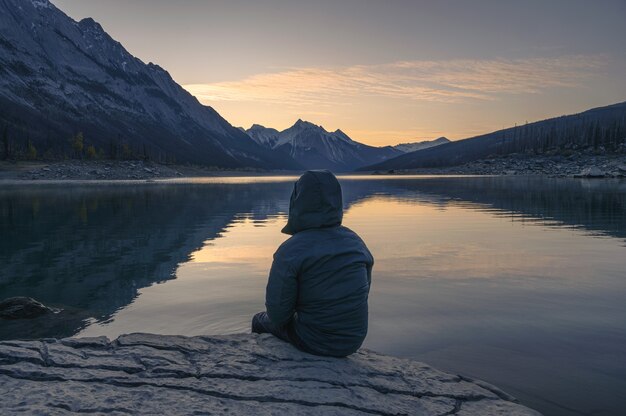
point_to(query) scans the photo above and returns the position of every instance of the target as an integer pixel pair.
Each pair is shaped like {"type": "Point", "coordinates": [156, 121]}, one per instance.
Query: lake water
{"type": "Point", "coordinates": [517, 281]}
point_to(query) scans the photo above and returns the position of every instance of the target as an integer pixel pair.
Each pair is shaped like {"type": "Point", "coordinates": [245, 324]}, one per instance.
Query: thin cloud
{"type": "Point", "coordinates": [448, 81]}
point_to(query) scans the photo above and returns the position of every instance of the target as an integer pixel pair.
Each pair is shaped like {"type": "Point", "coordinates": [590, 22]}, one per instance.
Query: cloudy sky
{"type": "Point", "coordinates": [384, 71]}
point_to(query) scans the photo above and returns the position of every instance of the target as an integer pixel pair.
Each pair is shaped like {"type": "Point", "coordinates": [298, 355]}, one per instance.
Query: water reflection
{"type": "Point", "coordinates": [89, 250]}
{"type": "Point", "coordinates": [519, 281]}
{"type": "Point", "coordinates": [216, 292]}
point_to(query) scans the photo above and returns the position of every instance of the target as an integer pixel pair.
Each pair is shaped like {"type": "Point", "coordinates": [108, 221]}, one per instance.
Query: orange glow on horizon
{"type": "Point", "coordinates": [403, 101]}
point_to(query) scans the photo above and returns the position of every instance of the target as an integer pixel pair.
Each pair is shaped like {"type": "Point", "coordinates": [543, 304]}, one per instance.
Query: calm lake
{"type": "Point", "coordinates": [517, 281]}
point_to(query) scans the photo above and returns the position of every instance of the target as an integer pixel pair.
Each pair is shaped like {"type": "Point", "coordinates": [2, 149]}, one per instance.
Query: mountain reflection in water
{"type": "Point", "coordinates": [518, 281]}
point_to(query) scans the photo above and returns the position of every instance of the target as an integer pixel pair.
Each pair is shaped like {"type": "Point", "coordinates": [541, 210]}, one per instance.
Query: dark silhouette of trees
{"type": "Point", "coordinates": [91, 152]}
{"type": "Point", "coordinates": [562, 135]}
{"type": "Point", "coordinates": [596, 131]}
{"type": "Point", "coordinates": [31, 151]}
{"type": "Point", "coordinates": [78, 144]}
{"type": "Point", "coordinates": [5, 142]}
{"type": "Point", "coordinates": [113, 150]}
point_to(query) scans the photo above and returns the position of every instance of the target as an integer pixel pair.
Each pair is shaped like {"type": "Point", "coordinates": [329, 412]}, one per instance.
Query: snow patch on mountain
{"type": "Point", "coordinates": [262, 135]}
{"type": "Point", "coordinates": [415, 146]}
{"type": "Point", "coordinates": [41, 4]}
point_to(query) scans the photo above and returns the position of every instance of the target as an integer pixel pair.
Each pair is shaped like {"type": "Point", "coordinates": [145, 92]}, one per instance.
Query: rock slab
{"type": "Point", "coordinates": [23, 308]}
{"type": "Point", "coordinates": [228, 375]}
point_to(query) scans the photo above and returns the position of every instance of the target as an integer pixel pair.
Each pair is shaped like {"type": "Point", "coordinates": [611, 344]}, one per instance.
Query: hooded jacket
{"type": "Point", "coordinates": [320, 278]}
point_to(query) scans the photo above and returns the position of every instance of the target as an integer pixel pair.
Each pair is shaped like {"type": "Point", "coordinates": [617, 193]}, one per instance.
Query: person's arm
{"type": "Point", "coordinates": [369, 265]}
{"type": "Point", "coordinates": [282, 291]}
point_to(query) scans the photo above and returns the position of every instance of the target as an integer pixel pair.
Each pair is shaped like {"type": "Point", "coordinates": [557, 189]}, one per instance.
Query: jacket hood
{"type": "Point", "coordinates": [316, 202]}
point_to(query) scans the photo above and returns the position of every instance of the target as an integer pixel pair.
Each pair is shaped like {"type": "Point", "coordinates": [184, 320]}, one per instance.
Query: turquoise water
{"type": "Point", "coordinates": [517, 281]}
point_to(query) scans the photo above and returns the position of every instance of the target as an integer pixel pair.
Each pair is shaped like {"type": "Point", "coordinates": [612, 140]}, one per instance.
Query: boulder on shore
{"type": "Point", "coordinates": [592, 172]}
{"type": "Point", "coordinates": [227, 375]}
{"type": "Point", "coordinates": [23, 308]}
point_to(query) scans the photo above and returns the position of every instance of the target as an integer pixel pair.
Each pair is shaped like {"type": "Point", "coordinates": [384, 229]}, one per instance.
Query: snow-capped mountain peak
{"type": "Point", "coordinates": [304, 125]}
{"type": "Point", "coordinates": [316, 148]}
{"type": "Point", "coordinates": [343, 136]}
{"type": "Point", "coordinates": [262, 135]}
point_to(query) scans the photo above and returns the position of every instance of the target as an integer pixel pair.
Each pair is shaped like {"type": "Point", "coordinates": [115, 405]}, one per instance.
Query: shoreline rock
{"type": "Point", "coordinates": [23, 308]}
{"type": "Point", "coordinates": [234, 374]}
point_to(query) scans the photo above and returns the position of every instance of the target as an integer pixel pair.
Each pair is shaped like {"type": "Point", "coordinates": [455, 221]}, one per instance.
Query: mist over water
{"type": "Point", "coordinates": [516, 281]}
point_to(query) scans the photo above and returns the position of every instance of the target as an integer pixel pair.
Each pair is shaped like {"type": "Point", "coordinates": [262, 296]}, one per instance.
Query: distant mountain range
{"type": "Point", "coordinates": [315, 148]}
{"type": "Point", "coordinates": [600, 129]}
{"type": "Point", "coordinates": [59, 77]}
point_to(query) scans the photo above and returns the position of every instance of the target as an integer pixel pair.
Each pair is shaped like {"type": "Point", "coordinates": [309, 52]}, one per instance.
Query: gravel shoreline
{"type": "Point", "coordinates": [576, 165]}
{"type": "Point", "coordinates": [108, 170]}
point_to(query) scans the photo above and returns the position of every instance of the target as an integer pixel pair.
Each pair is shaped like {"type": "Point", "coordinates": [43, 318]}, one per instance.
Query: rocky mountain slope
{"type": "Point", "coordinates": [599, 131]}
{"type": "Point", "coordinates": [59, 77]}
{"type": "Point", "coordinates": [415, 146]}
{"type": "Point", "coordinates": [264, 136]}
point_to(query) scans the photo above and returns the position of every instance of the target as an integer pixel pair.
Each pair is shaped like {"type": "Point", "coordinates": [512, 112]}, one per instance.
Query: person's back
{"type": "Point", "coordinates": [319, 283]}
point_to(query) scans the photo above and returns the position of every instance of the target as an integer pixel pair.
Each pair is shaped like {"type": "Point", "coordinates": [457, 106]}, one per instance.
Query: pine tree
{"type": "Point", "coordinates": [112, 150]}
{"type": "Point", "coordinates": [91, 152]}
{"type": "Point", "coordinates": [31, 151]}
{"type": "Point", "coordinates": [5, 142]}
{"type": "Point", "coordinates": [146, 156]}
{"type": "Point", "coordinates": [78, 144]}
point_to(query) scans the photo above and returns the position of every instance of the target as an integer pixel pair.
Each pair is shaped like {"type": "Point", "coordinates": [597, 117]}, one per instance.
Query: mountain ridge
{"type": "Point", "coordinates": [598, 129]}
{"type": "Point", "coordinates": [60, 76]}
{"type": "Point", "coordinates": [315, 147]}
{"type": "Point", "coordinates": [414, 146]}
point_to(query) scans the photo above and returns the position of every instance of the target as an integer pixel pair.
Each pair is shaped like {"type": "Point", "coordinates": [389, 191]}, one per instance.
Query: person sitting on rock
{"type": "Point", "coordinates": [319, 283]}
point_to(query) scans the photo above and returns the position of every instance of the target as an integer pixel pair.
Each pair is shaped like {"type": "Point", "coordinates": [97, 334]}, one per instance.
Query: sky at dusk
{"type": "Point", "coordinates": [382, 71]}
